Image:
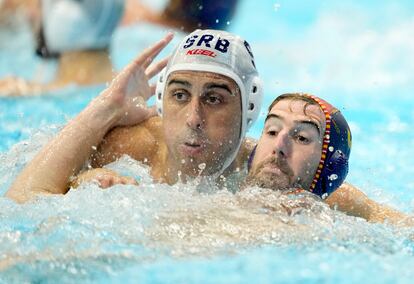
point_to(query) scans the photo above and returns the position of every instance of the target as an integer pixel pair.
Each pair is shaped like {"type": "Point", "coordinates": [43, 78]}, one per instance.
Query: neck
{"type": "Point", "coordinates": [84, 68]}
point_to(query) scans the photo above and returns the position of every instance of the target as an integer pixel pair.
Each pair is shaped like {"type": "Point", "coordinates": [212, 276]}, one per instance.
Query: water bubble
{"type": "Point", "coordinates": [228, 23]}
{"type": "Point", "coordinates": [200, 7]}
{"type": "Point", "coordinates": [331, 148]}
{"type": "Point", "coordinates": [217, 21]}
{"type": "Point", "coordinates": [202, 166]}
{"type": "Point", "coordinates": [182, 161]}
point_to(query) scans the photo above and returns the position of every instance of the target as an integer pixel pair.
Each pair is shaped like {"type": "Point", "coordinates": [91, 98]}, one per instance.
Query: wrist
{"type": "Point", "coordinates": [102, 112]}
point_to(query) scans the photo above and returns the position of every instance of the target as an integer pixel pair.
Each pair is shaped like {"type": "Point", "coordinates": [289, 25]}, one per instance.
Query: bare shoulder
{"type": "Point", "coordinates": [139, 141]}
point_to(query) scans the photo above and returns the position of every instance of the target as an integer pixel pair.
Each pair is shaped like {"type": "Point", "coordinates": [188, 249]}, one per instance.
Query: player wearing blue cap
{"type": "Point", "coordinates": [208, 95]}
{"type": "Point", "coordinates": [305, 145]}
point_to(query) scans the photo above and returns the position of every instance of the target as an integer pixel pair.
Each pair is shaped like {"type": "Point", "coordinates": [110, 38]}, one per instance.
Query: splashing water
{"type": "Point", "coordinates": [91, 232]}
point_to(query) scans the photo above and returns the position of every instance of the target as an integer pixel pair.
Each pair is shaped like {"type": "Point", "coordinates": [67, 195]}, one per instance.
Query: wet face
{"type": "Point", "coordinates": [201, 120]}
{"type": "Point", "coordinates": [289, 150]}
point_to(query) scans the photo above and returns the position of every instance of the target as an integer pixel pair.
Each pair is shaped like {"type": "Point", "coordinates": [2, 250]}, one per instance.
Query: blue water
{"type": "Point", "coordinates": [161, 234]}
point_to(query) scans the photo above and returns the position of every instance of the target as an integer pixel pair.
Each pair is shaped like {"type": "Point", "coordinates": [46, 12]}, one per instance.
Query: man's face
{"type": "Point", "coordinates": [201, 120]}
{"type": "Point", "coordinates": [289, 150]}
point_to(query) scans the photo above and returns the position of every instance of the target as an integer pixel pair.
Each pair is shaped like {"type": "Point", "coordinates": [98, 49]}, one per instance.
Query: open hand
{"type": "Point", "coordinates": [130, 90]}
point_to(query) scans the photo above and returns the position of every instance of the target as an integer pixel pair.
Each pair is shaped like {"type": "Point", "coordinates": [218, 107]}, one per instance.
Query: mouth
{"type": "Point", "coordinates": [192, 148]}
{"type": "Point", "coordinates": [272, 169]}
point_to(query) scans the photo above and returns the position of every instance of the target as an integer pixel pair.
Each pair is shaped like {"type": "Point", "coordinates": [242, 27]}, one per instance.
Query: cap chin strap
{"type": "Point", "coordinates": [248, 115]}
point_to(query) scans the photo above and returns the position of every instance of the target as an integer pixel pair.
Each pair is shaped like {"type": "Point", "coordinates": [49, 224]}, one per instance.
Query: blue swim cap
{"type": "Point", "coordinates": [202, 14]}
{"type": "Point", "coordinates": [336, 148]}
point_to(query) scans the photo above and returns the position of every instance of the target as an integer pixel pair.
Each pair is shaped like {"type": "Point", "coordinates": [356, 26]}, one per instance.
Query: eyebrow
{"type": "Point", "coordinates": [308, 122]}
{"type": "Point", "coordinates": [180, 82]}
{"type": "Point", "coordinates": [220, 86]}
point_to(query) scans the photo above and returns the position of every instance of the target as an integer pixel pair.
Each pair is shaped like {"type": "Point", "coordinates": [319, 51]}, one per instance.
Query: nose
{"type": "Point", "coordinates": [195, 118]}
{"type": "Point", "coordinates": [281, 145]}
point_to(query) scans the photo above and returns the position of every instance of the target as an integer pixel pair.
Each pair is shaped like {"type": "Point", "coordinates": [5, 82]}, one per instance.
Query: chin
{"type": "Point", "coordinates": [270, 182]}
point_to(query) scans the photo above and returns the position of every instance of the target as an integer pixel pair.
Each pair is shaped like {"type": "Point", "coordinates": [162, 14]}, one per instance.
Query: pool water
{"type": "Point", "coordinates": [156, 233]}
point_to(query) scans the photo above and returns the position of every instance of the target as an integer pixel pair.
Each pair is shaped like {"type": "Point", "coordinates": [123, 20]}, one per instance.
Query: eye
{"type": "Point", "coordinates": [213, 99]}
{"type": "Point", "coordinates": [181, 96]}
{"type": "Point", "coordinates": [302, 139]}
{"type": "Point", "coordinates": [271, 132]}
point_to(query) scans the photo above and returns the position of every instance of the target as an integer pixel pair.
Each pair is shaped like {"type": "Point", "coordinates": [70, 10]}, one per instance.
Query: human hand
{"type": "Point", "coordinates": [130, 90]}
{"type": "Point", "coordinates": [12, 86]}
{"type": "Point", "coordinates": [104, 177]}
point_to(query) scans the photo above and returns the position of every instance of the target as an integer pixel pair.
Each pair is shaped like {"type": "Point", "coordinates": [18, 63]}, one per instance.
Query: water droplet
{"type": "Point", "coordinates": [217, 21]}
{"type": "Point", "coordinates": [228, 23]}
{"type": "Point", "coordinates": [202, 166]}
{"type": "Point", "coordinates": [200, 7]}
{"type": "Point", "coordinates": [331, 148]}
{"type": "Point", "coordinates": [182, 161]}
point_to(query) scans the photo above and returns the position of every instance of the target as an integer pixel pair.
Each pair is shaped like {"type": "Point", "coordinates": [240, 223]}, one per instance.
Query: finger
{"type": "Point", "coordinates": [154, 69]}
{"type": "Point", "coordinates": [146, 57]}
{"type": "Point", "coordinates": [103, 182]}
{"type": "Point", "coordinates": [129, 180]}
{"type": "Point", "coordinates": [151, 112]}
{"type": "Point", "coordinates": [155, 52]}
{"type": "Point", "coordinates": [153, 87]}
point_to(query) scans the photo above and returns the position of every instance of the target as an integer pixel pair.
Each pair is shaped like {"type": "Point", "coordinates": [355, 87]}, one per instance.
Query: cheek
{"type": "Point", "coordinates": [307, 161]}
{"type": "Point", "coordinates": [224, 124]}
{"type": "Point", "coordinates": [262, 152]}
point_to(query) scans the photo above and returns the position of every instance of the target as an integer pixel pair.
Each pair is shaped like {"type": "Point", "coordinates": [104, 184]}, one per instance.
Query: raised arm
{"type": "Point", "coordinates": [122, 103]}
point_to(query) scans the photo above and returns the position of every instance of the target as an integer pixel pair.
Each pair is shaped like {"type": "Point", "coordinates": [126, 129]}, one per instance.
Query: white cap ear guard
{"type": "Point", "coordinates": [222, 53]}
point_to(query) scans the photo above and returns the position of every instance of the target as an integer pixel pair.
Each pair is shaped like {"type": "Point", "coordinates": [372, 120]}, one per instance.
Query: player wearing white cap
{"type": "Point", "coordinates": [209, 94]}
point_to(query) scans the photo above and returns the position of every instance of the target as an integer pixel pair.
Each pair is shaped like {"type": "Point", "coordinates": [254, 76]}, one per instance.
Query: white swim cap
{"type": "Point", "coordinates": [80, 24]}
{"type": "Point", "coordinates": [222, 53]}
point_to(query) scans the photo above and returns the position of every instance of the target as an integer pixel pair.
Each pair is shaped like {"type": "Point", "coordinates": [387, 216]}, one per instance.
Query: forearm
{"type": "Point", "coordinates": [50, 171]}
{"type": "Point", "coordinates": [354, 202]}
{"type": "Point", "coordinates": [380, 213]}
